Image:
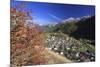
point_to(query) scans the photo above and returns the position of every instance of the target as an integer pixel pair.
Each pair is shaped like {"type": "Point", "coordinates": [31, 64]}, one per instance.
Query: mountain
{"type": "Point", "coordinates": [71, 19]}
{"type": "Point", "coordinates": [83, 27]}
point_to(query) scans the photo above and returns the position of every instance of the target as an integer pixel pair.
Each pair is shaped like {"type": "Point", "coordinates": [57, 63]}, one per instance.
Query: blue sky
{"type": "Point", "coordinates": [48, 13]}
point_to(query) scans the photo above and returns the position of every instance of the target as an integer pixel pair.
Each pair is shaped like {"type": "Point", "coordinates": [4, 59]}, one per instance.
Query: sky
{"type": "Point", "coordinates": [50, 13]}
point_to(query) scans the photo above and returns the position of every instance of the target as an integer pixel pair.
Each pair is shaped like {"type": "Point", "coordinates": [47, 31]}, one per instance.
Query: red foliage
{"type": "Point", "coordinates": [26, 40]}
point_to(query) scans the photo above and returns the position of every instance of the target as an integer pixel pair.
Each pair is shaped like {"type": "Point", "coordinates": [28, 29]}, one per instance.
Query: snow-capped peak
{"type": "Point", "coordinates": [71, 19]}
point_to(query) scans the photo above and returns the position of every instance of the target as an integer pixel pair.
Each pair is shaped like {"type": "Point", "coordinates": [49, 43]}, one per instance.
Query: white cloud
{"type": "Point", "coordinates": [78, 18]}
{"type": "Point", "coordinates": [54, 17]}
{"type": "Point", "coordinates": [70, 19]}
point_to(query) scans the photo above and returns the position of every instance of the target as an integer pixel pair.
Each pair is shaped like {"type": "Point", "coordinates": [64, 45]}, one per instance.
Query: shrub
{"type": "Point", "coordinates": [25, 37]}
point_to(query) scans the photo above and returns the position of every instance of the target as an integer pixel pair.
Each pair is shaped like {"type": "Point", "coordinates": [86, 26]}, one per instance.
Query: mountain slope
{"type": "Point", "coordinates": [83, 28]}
{"type": "Point", "coordinates": [54, 58]}
{"type": "Point", "coordinates": [75, 50]}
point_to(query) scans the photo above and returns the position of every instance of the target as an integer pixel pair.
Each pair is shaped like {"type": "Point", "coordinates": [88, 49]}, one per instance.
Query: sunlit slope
{"type": "Point", "coordinates": [73, 49]}
{"type": "Point", "coordinates": [53, 57]}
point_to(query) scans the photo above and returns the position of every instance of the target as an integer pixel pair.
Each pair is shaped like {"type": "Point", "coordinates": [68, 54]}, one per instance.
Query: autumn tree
{"type": "Point", "coordinates": [26, 40]}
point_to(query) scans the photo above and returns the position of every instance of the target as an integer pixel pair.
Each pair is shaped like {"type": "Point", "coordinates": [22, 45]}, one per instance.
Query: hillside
{"type": "Point", "coordinates": [54, 58]}
{"type": "Point", "coordinates": [65, 42]}
{"type": "Point", "coordinates": [83, 28]}
{"type": "Point", "coordinates": [75, 50]}
{"type": "Point", "coordinates": [27, 45]}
